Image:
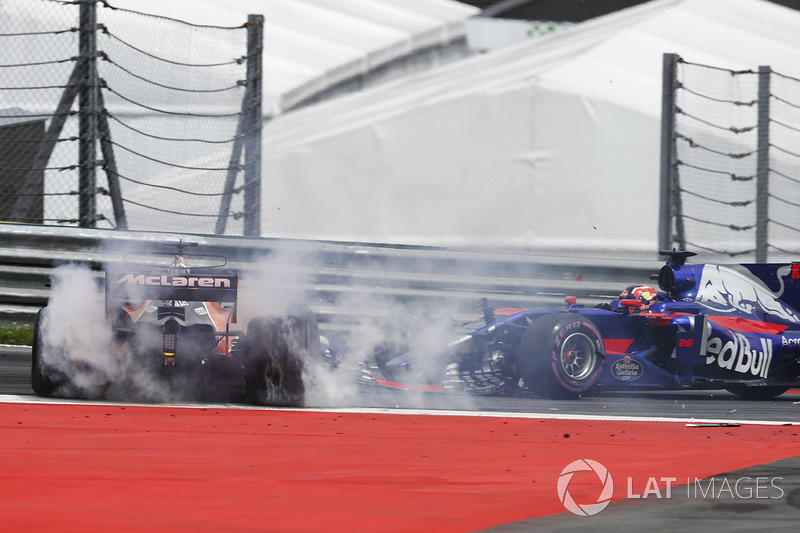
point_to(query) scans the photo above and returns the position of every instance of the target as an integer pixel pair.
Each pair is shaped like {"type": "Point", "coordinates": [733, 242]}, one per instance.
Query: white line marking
{"type": "Point", "coordinates": [11, 398]}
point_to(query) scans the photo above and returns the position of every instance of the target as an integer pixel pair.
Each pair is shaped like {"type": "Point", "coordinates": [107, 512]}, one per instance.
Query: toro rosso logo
{"type": "Point", "coordinates": [726, 290]}
{"type": "Point", "coordinates": [175, 281]}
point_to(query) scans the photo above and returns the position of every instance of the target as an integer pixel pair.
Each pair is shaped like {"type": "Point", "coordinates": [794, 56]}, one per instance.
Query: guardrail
{"type": "Point", "coordinates": [343, 283]}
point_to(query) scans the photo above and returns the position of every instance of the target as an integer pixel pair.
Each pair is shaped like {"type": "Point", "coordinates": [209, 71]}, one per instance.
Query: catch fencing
{"type": "Point", "coordinates": [730, 170]}
{"type": "Point", "coordinates": [113, 118]}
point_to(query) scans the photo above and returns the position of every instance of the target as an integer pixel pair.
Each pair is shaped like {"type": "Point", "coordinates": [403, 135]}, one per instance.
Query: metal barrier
{"type": "Point", "coordinates": [343, 283]}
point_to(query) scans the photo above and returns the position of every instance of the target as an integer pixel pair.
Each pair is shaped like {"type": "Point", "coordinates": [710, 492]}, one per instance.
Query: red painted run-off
{"type": "Point", "coordinates": [99, 468]}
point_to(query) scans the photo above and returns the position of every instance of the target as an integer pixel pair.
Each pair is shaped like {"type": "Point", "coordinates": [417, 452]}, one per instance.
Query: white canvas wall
{"type": "Point", "coordinates": [551, 142]}
{"type": "Point", "coordinates": [521, 167]}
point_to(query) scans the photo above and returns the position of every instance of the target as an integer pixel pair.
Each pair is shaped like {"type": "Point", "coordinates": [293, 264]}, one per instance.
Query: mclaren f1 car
{"type": "Point", "coordinates": [174, 333]}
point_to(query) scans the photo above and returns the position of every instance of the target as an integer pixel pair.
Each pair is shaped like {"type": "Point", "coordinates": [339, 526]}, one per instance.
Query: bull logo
{"type": "Point", "coordinates": [726, 290]}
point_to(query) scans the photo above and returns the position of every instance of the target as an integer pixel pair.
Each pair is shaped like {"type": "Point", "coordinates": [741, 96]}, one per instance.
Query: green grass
{"type": "Point", "coordinates": [20, 335]}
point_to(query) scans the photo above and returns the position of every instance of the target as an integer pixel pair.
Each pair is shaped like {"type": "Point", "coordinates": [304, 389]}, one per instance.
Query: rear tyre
{"type": "Point", "coordinates": [756, 393]}
{"type": "Point", "coordinates": [279, 348]}
{"type": "Point", "coordinates": [560, 356]}
{"type": "Point", "coordinates": [45, 380]}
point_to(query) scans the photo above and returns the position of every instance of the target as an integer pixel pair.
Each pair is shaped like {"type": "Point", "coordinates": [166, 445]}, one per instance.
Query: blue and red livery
{"type": "Point", "coordinates": [733, 327]}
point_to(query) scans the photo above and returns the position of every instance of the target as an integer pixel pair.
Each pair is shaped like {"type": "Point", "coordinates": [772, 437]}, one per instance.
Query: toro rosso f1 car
{"type": "Point", "coordinates": [709, 327]}
{"type": "Point", "coordinates": [175, 334]}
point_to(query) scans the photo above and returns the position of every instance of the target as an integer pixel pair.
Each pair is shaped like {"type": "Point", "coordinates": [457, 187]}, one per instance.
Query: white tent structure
{"type": "Point", "coordinates": [312, 50]}
{"type": "Point", "coordinates": [550, 143]}
{"type": "Point", "coordinates": [311, 46]}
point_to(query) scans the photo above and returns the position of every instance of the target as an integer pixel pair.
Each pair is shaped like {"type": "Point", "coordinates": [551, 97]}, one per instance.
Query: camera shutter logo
{"type": "Point", "coordinates": [585, 509]}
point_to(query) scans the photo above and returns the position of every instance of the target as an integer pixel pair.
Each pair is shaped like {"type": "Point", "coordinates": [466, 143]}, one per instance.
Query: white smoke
{"type": "Point", "coordinates": [281, 285]}
{"type": "Point", "coordinates": [418, 330]}
{"type": "Point", "coordinates": [78, 338]}
{"type": "Point", "coordinates": [75, 335]}
{"type": "Point", "coordinates": [77, 345]}
{"type": "Point", "coordinates": [291, 278]}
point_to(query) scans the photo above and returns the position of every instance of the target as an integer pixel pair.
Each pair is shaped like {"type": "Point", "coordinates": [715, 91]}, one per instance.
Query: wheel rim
{"type": "Point", "coordinates": [578, 356]}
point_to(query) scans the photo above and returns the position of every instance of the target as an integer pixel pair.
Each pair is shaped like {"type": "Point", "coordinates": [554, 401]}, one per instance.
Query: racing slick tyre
{"type": "Point", "coordinates": [44, 379]}
{"type": "Point", "coordinates": [279, 348]}
{"type": "Point", "coordinates": [53, 372]}
{"type": "Point", "coordinates": [560, 356]}
{"type": "Point", "coordinates": [756, 393]}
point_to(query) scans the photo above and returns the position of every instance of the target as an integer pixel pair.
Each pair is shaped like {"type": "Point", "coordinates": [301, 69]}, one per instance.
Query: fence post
{"type": "Point", "coordinates": [762, 165]}
{"type": "Point", "coordinates": [87, 121]}
{"type": "Point", "coordinates": [110, 164]}
{"type": "Point", "coordinates": [667, 209]}
{"type": "Point", "coordinates": [252, 164]}
{"type": "Point", "coordinates": [233, 169]}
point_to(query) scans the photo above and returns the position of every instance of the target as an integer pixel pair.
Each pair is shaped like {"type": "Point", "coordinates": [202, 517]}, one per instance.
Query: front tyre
{"type": "Point", "coordinates": [560, 356]}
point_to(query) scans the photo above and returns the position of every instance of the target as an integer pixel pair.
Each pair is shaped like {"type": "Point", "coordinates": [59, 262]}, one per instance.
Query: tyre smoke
{"type": "Point", "coordinates": [74, 335]}
{"type": "Point", "coordinates": [345, 375]}
{"type": "Point", "coordinates": [340, 366]}
{"type": "Point", "coordinates": [76, 343]}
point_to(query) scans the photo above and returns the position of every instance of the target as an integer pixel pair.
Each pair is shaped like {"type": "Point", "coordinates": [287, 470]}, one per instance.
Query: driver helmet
{"type": "Point", "coordinates": [647, 295]}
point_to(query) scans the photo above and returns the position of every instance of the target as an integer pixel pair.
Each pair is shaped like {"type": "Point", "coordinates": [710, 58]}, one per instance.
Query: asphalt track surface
{"type": "Point", "coordinates": [701, 405]}
{"type": "Point", "coordinates": [397, 462]}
